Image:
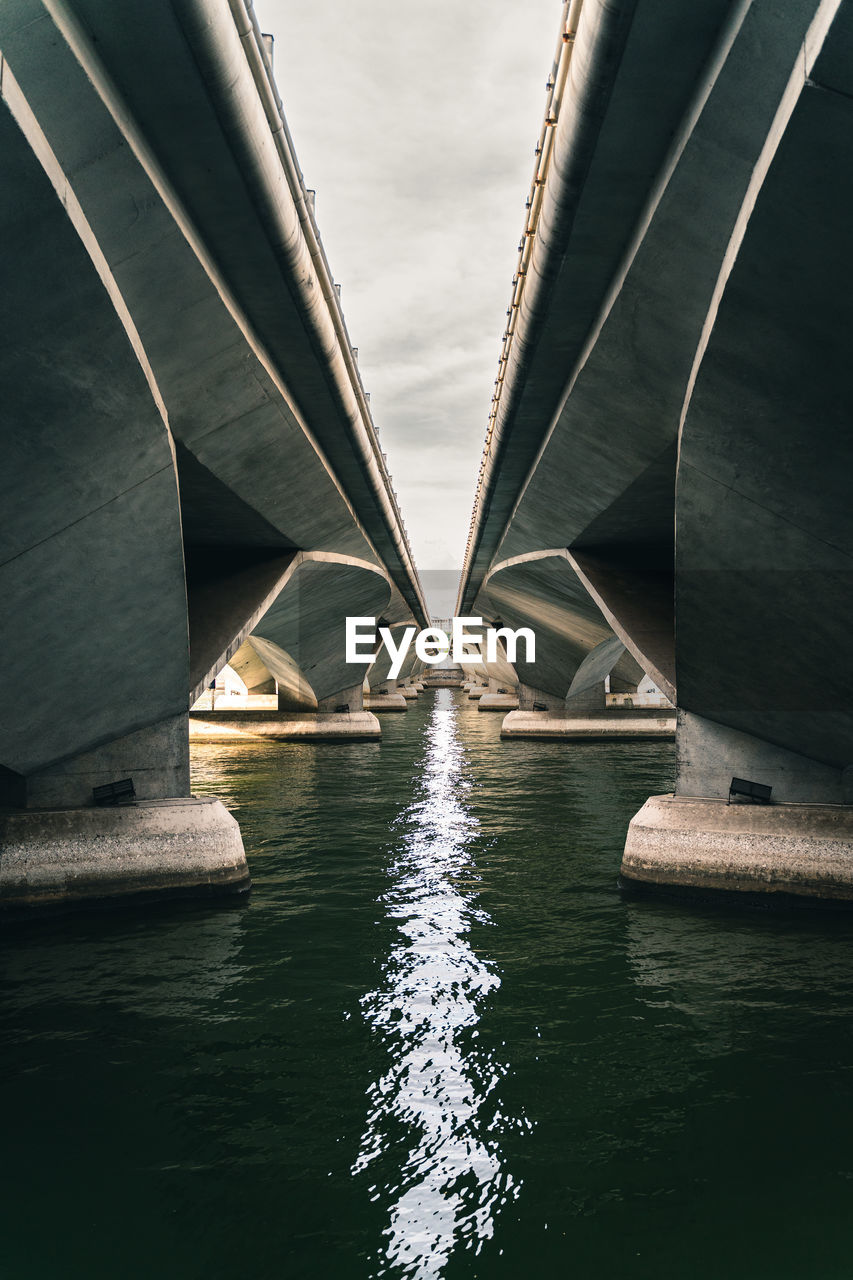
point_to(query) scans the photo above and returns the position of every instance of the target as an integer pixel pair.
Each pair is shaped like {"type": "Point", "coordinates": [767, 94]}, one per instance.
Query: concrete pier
{"type": "Point", "coordinates": [170, 507]}
{"type": "Point", "coordinates": [690, 507]}
{"type": "Point", "coordinates": [439, 677]}
{"type": "Point", "coordinates": [599, 726]}
{"type": "Point", "coordinates": [498, 702]}
{"type": "Point", "coordinates": [585, 715]}
{"type": "Point", "coordinates": [62, 858]}
{"type": "Point", "coordinates": [688, 842]}
{"type": "Point", "coordinates": [284, 726]}
{"type": "Point", "coordinates": [381, 703]}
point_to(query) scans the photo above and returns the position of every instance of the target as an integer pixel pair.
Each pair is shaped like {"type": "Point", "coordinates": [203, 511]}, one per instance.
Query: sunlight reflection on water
{"type": "Point", "coordinates": [432, 1100]}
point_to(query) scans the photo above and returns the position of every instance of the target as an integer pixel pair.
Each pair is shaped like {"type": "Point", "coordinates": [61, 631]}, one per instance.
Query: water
{"type": "Point", "coordinates": [436, 1042]}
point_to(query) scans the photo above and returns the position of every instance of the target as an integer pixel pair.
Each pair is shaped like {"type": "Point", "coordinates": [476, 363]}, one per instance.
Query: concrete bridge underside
{"type": "Point", "coordinates": [674, 419]}
{"type": "Point", "coordinates": [189, 455]}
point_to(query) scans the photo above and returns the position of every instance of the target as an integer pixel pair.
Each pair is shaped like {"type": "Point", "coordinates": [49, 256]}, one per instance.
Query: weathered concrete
{"type": "Point", "coordinates": [439, 677]}
{"type": "Point", "coordinates": [292, 690]}
{"type": "Point", "coordinates": [160, 848]}
{"type": "Point", "coordinates": [669, 459]}
{"type": "Point", "coordinates": [498, 702]}
{"type": "Point", "coordinates": [403, 687]}
{"type": "Point", "coordinates": [378, 674]}
{"type": "Point", "coordinates": [697, 844]}
{"type": "Point", "coordinates": [601, 727]}
{"type": "Point", "coordinates": [156, 758]}
{"type": "Point", "coordinates": [710, 754]}
{"type": "Point", "coordinates": [539, 700]}
{"type": "Point", "coordinates": [251, 702]}
{"type": "Point", "coordinates": [236, 726]}
{"type": "Point", "coordinates": [380, 703]}
{"type": "Point", "coordinates": [191, 472]}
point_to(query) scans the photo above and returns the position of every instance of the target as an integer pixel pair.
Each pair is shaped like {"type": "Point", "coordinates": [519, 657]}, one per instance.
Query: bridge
{"type": "Point", "coordinates": [668, 453]}
{"type": "Point", "coordinates": [191, 472]}
{"type": "Point", "coordinates": [193, 477]}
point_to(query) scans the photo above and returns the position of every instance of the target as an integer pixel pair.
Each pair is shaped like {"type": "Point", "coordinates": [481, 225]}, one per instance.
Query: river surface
{"type": "Point", "coordinates": [435, 1042]}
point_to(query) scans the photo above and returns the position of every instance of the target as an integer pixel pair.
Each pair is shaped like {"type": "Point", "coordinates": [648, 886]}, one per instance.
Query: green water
{"type": "Point", "coordinates": [436, 1042]}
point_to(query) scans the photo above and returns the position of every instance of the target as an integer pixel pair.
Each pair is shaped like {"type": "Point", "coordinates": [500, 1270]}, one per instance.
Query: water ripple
{"type": "Point", "coordinates": [430, 1111]}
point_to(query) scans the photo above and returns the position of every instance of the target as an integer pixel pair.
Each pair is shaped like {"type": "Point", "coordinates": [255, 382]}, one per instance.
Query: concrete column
{"type": "Point", "coordinates": [345, 702]}
{"type": "Point", "coordinates": [61, 850]}
{"type": "Point", "coordinates": [590, 701]}
{"type": "Point", "coordinates": [403, 687]}
{"type": "Point", "coordinates": [92, 579]}
{"type": "Point", "coordinates": [622, 686]}
{"type": "Point", "coordinates": [492, 699]}
{"type": "Point", "coordinates": [800, 845]}
{"type": "Point", "coordinates": [288, 699]}
{"type": "Point", "coordinates": [530, 699]}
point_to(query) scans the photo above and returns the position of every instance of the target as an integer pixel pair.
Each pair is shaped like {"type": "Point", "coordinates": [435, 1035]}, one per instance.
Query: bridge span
{"type": "Point", "coordinates": [191, 471]}
{"type": "Point", "coordinates": [668, 457]}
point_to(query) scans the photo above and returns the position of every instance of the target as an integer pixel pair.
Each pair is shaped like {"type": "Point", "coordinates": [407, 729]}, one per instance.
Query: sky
{"type": "Point", "coordinates": [416, 125]}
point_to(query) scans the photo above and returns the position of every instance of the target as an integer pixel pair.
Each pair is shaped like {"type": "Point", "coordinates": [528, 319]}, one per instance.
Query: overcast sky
{"type": "Point", "coordinates": [416, 125]}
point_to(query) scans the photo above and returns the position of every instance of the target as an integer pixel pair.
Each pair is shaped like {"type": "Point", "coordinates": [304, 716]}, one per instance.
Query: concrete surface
{"type": "Point", "coordinates": [438, 677]}
{"type": "Point", "coordinates": [557, 724]}
{"type": "Point", "coordinates": [163, 848]}
{"type": "Point", "coordinates": [380, 703]}
{"type": "Point", "coordinates": [166, 500]}
{"type": "Point", "coordinates": [215, 726]}
{"type": "Point", "coordinates": [693, 843]}
{"type": "Point", "coordinates": [498, 702]}
{"type": "Point", "coordinates": [673, 420]}
{"type": "Point", "coordinates": [709, 755]}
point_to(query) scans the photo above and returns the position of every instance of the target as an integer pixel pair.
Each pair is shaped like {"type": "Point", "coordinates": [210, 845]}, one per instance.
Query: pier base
{"type": "Point", "coordinates": [795, 850]}
{"type": "Point", "coordinates": [382, 702]}
{"type": "Point", "coordinates": [604, 726]}
{"type": "Point", "coordinates": [284, 726]}
{"type": "Point", "coordinates": [498, 702]}
{"type": "Point", "coordinates": [61, 858]}
{"type": "Point", "coordinates": [450, 677]}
